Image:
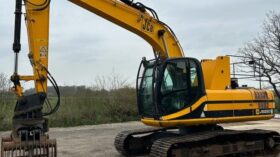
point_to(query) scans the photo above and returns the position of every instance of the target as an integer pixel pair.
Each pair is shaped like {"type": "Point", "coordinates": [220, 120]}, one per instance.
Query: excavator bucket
{"type": "Point", "coordinates": [45, 147]}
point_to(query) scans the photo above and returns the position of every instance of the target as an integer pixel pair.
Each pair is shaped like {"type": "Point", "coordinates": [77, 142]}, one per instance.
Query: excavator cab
{"type": "Point", "coordinates": [166, 87]}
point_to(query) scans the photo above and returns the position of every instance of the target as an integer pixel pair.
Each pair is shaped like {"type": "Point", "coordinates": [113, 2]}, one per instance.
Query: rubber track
{"type": "Point", "coordinates": [122, 139]}
{"type": "Point", "coordinates": [162, 147]}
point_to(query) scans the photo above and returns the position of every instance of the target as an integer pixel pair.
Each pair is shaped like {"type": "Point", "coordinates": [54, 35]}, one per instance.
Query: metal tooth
{"type": "Point", "coordinates": [42, 148]}
{"type": "Point", "coordinates": [52, 151]}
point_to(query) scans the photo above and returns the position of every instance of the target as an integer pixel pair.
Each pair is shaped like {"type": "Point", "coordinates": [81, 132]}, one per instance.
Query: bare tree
{"type": "Point", "coordinates": [5, 86]}
{"type": "Point", "coordinates": [117, 81]}
{"type": "Point", "coordinates": [113, 81]}
{"type": "Point", "coordinates": [266, 48]}
{"type": "Point", "coordinates": [100, 83]}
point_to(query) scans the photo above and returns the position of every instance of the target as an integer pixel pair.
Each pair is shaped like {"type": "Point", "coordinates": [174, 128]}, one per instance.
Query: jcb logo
{"type": "Point", "coordinates": [147, 25]}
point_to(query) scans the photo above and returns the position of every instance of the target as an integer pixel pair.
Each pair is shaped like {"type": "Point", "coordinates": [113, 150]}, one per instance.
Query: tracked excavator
{"type": "Point", "coordinates": [183, 99]}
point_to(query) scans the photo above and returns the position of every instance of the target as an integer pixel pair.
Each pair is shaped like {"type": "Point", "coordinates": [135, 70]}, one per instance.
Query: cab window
{"type": "Point", "coordinates": [179, 85]}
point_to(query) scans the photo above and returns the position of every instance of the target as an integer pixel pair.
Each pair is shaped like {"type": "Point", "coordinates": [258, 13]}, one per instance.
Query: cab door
{"type": "Point", "coordinates": [180, 86]}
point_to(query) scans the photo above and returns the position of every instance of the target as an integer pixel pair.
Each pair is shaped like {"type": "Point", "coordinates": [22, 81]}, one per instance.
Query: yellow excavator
{"type": "Point", "coordinates": [182, 98]}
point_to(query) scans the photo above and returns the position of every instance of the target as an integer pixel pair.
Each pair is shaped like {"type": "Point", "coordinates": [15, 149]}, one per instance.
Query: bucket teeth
{"type": "Point", "coordinates": [15, 148]}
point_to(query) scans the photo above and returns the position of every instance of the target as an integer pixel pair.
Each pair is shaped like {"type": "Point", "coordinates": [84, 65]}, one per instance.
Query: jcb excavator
{"type": "Point", "coordinates": [183, 98]}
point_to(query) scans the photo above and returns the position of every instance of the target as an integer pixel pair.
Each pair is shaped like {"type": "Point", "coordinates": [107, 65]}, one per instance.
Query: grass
{"type": "Point", "coordinates": [96, 107]}
{"type": "Point", "coordinates": [82, 107]}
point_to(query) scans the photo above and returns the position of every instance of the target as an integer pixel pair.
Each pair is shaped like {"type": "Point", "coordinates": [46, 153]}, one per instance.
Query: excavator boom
{"type": "Point", "coordinates": [139, 21]}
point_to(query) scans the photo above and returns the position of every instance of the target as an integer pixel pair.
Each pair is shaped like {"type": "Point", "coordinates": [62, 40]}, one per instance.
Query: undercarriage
{"type": "Point", "coordinates": [187, 142]}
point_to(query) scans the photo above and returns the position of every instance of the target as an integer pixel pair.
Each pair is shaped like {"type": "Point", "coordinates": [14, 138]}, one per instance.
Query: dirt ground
{"type": "Point", "coordinates": [98, 140]}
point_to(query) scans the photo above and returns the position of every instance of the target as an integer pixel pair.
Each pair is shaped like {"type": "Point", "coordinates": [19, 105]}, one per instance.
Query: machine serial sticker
{"type": "Point", "coordinates": [43, 51]}
{"type": "Point", "coordinates": [267, 111]}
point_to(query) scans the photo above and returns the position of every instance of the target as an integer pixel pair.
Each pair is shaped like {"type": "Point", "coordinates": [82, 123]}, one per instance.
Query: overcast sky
{"type": "Point", "coordinates": [83, 45]}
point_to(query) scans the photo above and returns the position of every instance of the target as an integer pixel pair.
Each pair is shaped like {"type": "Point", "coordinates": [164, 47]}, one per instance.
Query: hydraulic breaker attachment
{"type": "Point", "coordinates": [15, 147]}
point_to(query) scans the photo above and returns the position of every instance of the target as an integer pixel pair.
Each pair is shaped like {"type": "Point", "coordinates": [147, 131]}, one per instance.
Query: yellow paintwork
{"type": "Point", "coordinates": [37, 23]}
{"type": "Point", "coordinates": [186, 110]}
{"type": "Point", "coordinates": [225, 106]}
{"type": "Point", "coordinates": [27, 78]}
{"type": "Point", "coordinates": [216, 73]}
{"type": "Point", "coordinates": [230, 94]}
{"type": "Point", "coordinates": [225, 95]}
{"type": "Point", "coordinates": [199, 121]}
{"type": "Point", "coordinates": [18, 90]}
{"type": "Point", "coordinates": [235, 106]}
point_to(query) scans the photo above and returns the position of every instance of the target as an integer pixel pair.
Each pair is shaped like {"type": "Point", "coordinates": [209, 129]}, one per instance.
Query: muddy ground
{"type": "Point", "coordinates": [98, 140]}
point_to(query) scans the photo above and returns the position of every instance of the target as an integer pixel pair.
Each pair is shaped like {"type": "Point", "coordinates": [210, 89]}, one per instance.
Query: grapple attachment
{"type": "Point", "coordinates": [29, 136]}
{"type": "Point", "coordinates": [15, 147]}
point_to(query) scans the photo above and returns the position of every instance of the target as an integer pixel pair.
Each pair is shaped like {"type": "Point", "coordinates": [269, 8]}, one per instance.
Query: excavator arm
{"type": "Point", "coordinates": [37, 23]}
{"type": "Point", "coordinates": [139, 19]}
